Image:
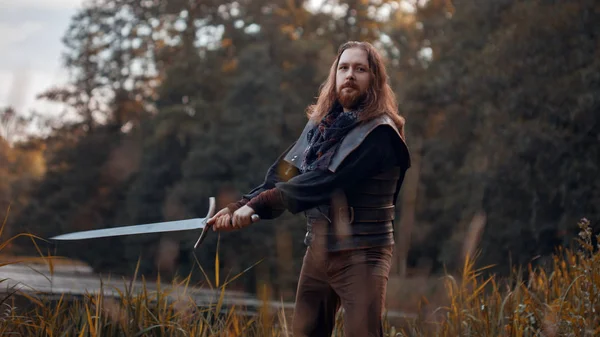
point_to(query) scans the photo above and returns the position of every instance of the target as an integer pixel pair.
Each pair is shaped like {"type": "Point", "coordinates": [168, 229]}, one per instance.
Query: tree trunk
{"type": "Point", "coordinates": [408, 208]}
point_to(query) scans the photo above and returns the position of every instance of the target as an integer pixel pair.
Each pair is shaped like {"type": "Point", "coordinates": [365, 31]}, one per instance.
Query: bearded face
{"type": "Point", "coordinates": [350, 95]}
{"type": "Point", "coordinates": [353, 78]}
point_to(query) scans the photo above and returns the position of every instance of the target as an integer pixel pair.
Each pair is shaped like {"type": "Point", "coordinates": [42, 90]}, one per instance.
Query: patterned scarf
{"type": "Point", "coordinates": [324, 140]}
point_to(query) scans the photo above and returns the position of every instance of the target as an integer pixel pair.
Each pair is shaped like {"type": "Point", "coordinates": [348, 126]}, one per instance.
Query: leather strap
{"type": "Point", "coordinates": [379, 214]}
{"type": "Point", "coordinates": [378, 187]}
{"type": "Point", "coordinates": [391, 174]}
{"type": "Point", "coordinates": [369, 200]}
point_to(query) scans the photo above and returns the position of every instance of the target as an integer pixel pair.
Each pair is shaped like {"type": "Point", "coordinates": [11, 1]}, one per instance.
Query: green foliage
{"type": "Point", "coordinates": [547, 129]}
{"type": "Point", "coordinates": [507, 112]}
{"type": "Point", "coordinates": [179, 101]}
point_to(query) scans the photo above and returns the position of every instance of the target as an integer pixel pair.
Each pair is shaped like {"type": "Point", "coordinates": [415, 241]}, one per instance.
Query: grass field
{"type": "Point", "coordinates": [563, 300]}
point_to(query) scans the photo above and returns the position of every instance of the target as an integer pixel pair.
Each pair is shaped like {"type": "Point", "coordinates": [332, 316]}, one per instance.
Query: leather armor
{"type": "Point", "coordinates": [357, 217]}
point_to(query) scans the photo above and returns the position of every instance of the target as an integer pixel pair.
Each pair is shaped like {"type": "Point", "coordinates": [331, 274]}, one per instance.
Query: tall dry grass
{"type": "Point", "coordinates": [563, 300]}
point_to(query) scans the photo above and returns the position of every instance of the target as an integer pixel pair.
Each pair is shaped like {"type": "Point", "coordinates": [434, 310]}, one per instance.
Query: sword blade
{"type": "Point", "coordinates": [158, 227]}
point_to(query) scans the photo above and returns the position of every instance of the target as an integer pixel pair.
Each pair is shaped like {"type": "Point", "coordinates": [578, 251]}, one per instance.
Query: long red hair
{"type": "Point", "coordinates": [380, 98]}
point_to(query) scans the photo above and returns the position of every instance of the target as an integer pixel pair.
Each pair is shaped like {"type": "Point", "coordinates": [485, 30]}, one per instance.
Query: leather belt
{"type": "Point", "coordinates": [354, 214]}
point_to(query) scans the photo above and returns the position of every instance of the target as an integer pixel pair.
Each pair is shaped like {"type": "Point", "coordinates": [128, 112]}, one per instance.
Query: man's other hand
{"type": "Point", "coordinates": [242, 217]}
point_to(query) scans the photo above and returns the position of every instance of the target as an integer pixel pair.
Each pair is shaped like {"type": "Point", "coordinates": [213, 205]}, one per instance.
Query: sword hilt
{"type": "Point", "coordinates": [254, 218]}
{"type": "Point", "coordinates": [211, 212]}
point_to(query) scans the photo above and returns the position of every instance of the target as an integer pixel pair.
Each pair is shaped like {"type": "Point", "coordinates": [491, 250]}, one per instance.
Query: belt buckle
{"type": "Point", "coordinates": [350, 212]}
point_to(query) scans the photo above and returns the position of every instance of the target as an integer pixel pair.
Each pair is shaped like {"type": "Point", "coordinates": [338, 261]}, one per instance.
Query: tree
{"type": "Point", "coordinates": [493, 90]}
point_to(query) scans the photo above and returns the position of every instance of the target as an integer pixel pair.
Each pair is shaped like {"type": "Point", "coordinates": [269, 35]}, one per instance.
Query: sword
{"type": "Point", "coordinates": [158, 227]}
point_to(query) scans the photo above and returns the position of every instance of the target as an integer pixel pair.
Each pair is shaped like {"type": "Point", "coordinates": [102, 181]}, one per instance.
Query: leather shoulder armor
{"type": "Point", "coordinates": [296, 153]}
{"type": "Point", "coordinates": [352, 141]}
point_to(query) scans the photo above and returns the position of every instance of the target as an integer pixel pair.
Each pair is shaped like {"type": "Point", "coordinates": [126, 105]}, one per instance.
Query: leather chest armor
{"type": "Point", "coordinates": [357, 217]}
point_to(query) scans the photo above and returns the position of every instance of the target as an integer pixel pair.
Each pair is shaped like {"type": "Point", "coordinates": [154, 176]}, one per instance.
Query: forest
{"type": "Point", "coordinates": [172, 102]}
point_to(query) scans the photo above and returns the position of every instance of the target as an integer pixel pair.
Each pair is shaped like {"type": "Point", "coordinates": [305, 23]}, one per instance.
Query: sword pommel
{"type": "Point", "coordinates": [211, 212]}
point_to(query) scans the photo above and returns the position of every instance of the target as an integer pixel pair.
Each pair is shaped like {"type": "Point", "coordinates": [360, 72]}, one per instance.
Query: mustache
{"type": "Point", "coordinates": [349, 85]}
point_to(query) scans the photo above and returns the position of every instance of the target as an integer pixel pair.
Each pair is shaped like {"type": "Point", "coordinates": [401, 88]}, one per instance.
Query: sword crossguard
{"type": "Point", "coordinates": [211, 212]}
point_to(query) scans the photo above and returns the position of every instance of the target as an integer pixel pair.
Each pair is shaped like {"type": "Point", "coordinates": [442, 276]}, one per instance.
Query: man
{"type": "Point", "coordinates": [344, 172]}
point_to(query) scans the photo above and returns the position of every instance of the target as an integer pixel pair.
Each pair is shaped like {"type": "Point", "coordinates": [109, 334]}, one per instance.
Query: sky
{"type": "Point", "coordinates": [30, 50]}
{"type": "Point", "coordinates": [31, 47]}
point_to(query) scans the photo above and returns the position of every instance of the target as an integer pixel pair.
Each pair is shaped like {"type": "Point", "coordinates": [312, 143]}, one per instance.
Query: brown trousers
{"type": "Point", "coordinates": [354, 279]}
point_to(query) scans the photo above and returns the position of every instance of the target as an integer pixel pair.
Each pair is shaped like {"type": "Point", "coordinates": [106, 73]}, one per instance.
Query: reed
{"type": "Point", "coordinates": [562, 300]}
